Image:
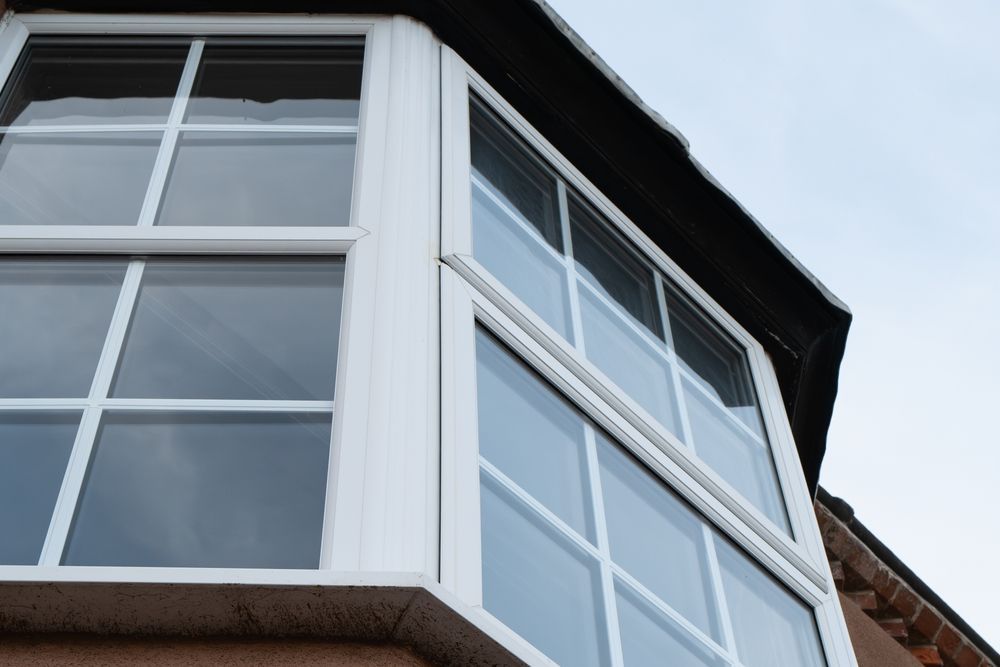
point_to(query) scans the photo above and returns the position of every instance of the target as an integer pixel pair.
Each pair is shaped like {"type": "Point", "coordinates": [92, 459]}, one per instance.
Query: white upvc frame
{"type": "Point", "coordinates": [471, 294]}
{"type": "Point", "coordinates": [371, 239]}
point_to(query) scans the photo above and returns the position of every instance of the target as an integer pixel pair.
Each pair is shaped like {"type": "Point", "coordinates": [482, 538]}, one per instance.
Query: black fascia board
{"type": "Point", "coordinates": [529, 55]}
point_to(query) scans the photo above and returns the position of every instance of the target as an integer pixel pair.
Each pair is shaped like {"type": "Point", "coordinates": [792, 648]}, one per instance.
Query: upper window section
{"type": "Point", "coordinates": [178, 131]}
{"type": "Point", "coordinates": [565, 261]}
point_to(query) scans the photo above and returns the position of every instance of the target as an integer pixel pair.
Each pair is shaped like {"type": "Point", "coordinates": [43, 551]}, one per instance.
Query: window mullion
{"type": "Point", "coordinates": [69, 493]}
{"type": "Point", "coordinates": [161, 167]}
{"type": "Point", "coordinates": [603, 544]}
{"type": "Point", "coordinates": [573, 285]}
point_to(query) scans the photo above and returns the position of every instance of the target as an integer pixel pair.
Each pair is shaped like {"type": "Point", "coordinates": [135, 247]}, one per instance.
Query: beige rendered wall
{"type": "Point", "coordinates": [872, 646]}
{"type": "Point", "coordinates": [79, 650]}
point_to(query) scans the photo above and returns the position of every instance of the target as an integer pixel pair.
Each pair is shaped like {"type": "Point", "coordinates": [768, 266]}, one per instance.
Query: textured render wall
{"type": "Point", "coordinates": [77, 650]}
{"type": "Point", "coordinates": [872, 646]}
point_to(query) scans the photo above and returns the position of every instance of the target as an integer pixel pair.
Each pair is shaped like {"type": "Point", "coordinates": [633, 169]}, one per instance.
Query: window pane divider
{"type": "Point", "coordinates": [92, 128]}
{"type": "Point", "coordinates": [253, 128]}
{"type": "Point", "coordinates": [161, 167]}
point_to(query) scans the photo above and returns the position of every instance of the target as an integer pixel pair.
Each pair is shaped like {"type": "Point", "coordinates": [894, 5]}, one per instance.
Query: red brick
{"type": "Point", "coordinates": [906, 602]}
{"type": "Point", "coordinates": [895, 628]}
{"type": "Point", "coordinates": [885, 582]}
{"type": "Point", "coordinates": [927, 655]}
{"type": "Point", "coordinates": [948, 641]}
{"type": "Point", "coordinates": [837, 570]}
{"type": "Point", "coordinates": [968, 657]}
{"type": "Point", "coordinates": [928, 623]}
{"type": "Point", "coordinates": [866, 600]}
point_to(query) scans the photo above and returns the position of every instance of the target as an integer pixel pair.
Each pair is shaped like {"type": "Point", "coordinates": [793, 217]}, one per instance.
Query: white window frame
{"type": "Point", "coordinates": [470, 295]}
{"type": "Point", "coordinates": [368, 240]}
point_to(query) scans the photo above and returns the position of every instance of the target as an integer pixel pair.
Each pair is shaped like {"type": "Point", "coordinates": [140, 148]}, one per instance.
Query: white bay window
{"type": "Point", "coordinates": [306, 294]}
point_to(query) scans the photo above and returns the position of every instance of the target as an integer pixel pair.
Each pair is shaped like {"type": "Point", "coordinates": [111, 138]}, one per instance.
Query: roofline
{"type": "Point", "coordinates": [845, 513]}
{"type": "Point", "coordinates": [639, 161]}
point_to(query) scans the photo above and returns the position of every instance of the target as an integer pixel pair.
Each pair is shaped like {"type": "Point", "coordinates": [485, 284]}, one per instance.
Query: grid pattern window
{"type": "Point", "coordinates": [161, 408]}
{"type": "Point", "coordinates": [559, 256]}
{"type": "Point", "coordinates": [595, 561]}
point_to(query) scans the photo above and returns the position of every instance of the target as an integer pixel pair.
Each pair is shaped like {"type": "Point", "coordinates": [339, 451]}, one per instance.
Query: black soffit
{"type": "Point", "coordinates": [536, 61]}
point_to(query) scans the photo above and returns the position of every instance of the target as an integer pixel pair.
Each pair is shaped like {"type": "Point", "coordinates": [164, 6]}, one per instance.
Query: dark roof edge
{"type": "Point", "coordinates": [626, 91]}
{"type": "Point", "coordinates": [843, 511]}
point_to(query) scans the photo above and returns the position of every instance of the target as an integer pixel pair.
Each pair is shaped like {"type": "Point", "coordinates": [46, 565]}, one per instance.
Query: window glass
{"type": "Point", "coordinates": [297, 82]}
{"type": "Point", "coordinates": [85, 80]}
{"type": "Point", "coordinates": [566, 262]}
{"type": "Point", "coordinates": [771, 626]}
{"type": "Point", "coordinates": [34, 450]}
{"type": "Point", "coordinates": [267, 179]}
{"type": "Point", "coordinates": [260, 329]}
{"type": "Point", "coordinates": [544, 579]}
{"type": "Point", "coordinates": [75, 179]}
{"type": "Point", "coordinates": [203, 489]}
{"type": "Point", "coordinates": [55, 317]}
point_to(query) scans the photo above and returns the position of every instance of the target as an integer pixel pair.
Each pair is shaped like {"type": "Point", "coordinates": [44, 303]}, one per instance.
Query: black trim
{"type": "Point", "coordinates": [535, 61]}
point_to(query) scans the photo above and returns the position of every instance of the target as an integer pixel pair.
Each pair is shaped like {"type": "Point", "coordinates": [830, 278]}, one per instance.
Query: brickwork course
{"type": "Point", "coordinates": [872, 578]}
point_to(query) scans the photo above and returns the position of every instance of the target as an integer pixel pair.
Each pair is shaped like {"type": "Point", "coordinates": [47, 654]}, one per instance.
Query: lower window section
{"type": "Point", "coordinates": [203, 489]}
{"type": "Point", "coordinates": [606, 565]}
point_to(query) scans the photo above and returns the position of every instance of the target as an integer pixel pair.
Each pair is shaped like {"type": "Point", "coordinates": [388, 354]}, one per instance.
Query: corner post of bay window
{"type": "Point", "coordinates": [387, 492]}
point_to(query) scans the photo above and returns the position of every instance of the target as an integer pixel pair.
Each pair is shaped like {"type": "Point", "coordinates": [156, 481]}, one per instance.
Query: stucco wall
{"type": "Point", "coordinates": [872, 646]}
{"type": "Point", "coordinates": [65, 650]}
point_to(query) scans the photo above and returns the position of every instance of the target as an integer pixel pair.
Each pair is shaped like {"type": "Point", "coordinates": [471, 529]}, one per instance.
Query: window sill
{"type": "Point", "coordinates": [397, 608]}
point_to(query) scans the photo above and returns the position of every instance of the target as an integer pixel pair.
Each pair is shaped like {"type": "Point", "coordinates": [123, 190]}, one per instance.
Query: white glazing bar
{"type": "Point", "coordinates": [80, 129]}
{"type": "Point", "coordinates": [604, 546]}
{"type": "Point", "coordinates": [570, 273]}
{"type": "Point", "coordinates": [525, 226]}
{"type": "Point", "coordinates": [713, 560]}
{"type": "Point", "coordinates": [76, 470]}
{"type": "Point", "coordinates": [255, 128]}
{"type": "Point", "coordinates": [190, 405]}
{"type": "Point", "coordinates": [44, 403]}
{"type": "Point", "coordinates": [116, 332]}
{"type": "Point", "coordinates": [161, 167]}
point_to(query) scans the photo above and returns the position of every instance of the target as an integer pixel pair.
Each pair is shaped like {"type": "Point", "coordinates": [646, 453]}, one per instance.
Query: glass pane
{"type": "Point", "coordinates": [771, 626]}
{"type": "Point", "coordinates": [531, 434]}
{"type": "Point", "coordinates": [520, 261]}
{"type": "Point", "coordinates": [55, 317]}
{"type": "Point", "coordinates": [737, 456]}
{"type": "Point", "coordinates": [651, 638]}
{"type": "Point", "coordinates": [203, 490]}
{"type": "Point", "coordinates": [81, 81]}
{"type": "Point", "coordinates": [611, 268]}
{"type": "Point", "coordinates": [629, 360]}
{"type": "Point", "coordinates": [256, 329]}
{"type": "Point", "coordinates": [75, 179]}
{"type": "Point", "coordinates": [714, 360]}
{"type": "Point", "coordinates": [261, 179]}
{"type": "Point", "coordinates": [34, 451]}
{"type": "Point", "coordinates": [512, 172]}
{"type": "Point", "coordinates": [314, 82]}
{"type": "Point", "coordinates": [655, 538]}
{"type": "Point", "coordinates": [540, 585]}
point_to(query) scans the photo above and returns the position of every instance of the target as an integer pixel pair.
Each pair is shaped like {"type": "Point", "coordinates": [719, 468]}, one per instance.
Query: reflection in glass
{"type": "Point", "coordinates": [34, 451]}
{"type": "Point", "coordinates": [714, 359]}
{"type": "Point", "coordinates": [302, 82]}
{"type": "Point", "coordinates": [733, 453]}
{"type": "Point", "coordinates": [613, 269]}
{"type": "Point", "coordinates": [259, 329]}
{"type": "Point", "coordinates": [271, 179]}
{"type": "Point", "coordinates": [168, 489]}
{"type": "Point", "coordinates": [770, 625]}
{"type": "Point", "coordinates": [75, 179]}
{"type": "Point", "coordinates": [514, 174]}
{"type": "Point", "coordinates": [655, 538]}
{"type": "Point", "coordinates": [520, 262]}
{"type": "Point", "coordinates": [651, 638]}
{"type": "Point", "coordinates": [531, 434]}
{"type": "Point", "coordinates": [627, 359]}
{"type": "Point", "coordinates": [540, 585]}
{"type": "Point", "coordinates": [54, 317]}
{"type": "Point", "coordinates": [86, 80]}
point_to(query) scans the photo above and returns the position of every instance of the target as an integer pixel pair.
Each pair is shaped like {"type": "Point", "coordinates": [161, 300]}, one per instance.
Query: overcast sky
{"type": "Point", "coordinates": [866, 136]}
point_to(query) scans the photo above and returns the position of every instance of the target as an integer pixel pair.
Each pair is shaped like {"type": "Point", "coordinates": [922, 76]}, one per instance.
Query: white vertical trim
{"type": "Point", "coordinates": [13, 38]}
{"type": "Point", "coordinates": [165, 156]}
{"type": "Point", "coordinates": [456, 162]}
{"type": "Point", "coordinates": [604, 546]}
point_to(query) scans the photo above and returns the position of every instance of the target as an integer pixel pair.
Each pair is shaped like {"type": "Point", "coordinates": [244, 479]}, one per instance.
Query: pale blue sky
{"type": "Point", "coordinates": [866, 136]}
